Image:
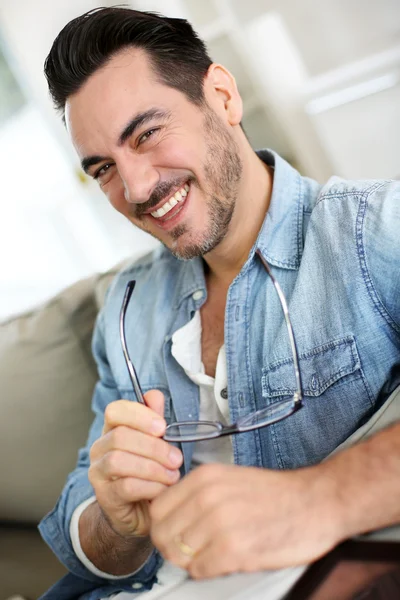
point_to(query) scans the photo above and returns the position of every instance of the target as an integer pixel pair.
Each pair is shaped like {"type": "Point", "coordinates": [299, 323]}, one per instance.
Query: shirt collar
{"type": "Point", "coordinates": [191, 281]}
{"type": "Point", "coordinates": [281, 236]}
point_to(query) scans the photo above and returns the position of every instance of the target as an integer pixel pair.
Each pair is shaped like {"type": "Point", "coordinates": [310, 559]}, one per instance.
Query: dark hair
{"type": "Point", "coordinates": [178, 56]}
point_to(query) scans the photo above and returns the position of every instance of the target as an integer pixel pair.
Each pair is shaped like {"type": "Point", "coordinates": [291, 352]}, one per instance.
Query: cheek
{"type": "Point", "coordinates": [176, 156]}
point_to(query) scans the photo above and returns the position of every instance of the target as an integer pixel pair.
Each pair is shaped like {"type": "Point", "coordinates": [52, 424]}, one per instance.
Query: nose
{"type": "Point", "coordinates": [139, 178]}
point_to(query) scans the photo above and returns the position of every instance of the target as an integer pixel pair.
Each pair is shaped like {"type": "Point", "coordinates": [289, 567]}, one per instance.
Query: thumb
{"type": "Point", "coordinates": [155, 401]}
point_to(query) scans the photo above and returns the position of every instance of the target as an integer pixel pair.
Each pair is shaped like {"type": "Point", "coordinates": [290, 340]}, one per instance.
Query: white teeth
{"type": "Point", "coordinates": [179, 196]}
{"type": "Point", "coordinates": [161, 211]}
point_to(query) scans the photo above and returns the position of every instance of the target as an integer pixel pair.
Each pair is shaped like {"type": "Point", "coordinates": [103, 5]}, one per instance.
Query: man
{"type": "Point", "coordinates": [157, 124]}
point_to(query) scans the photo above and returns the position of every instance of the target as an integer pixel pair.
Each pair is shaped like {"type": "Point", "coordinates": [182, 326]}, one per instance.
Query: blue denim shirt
{"type": "Point", "coordinates": [336, 254]}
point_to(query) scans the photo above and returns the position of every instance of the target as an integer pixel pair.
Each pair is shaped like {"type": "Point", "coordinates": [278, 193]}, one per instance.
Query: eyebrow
{"type": "Point", "coordinates": [137, 121]}
{"type": "Point", "coordinates": [89, 161]}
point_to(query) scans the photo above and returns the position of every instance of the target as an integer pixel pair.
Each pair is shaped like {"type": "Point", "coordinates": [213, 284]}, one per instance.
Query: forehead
{"type": "Point", "coordinates": [126, 85]}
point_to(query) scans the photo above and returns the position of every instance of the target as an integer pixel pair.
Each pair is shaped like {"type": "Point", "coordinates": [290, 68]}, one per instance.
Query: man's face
{"type": "Point", "coordinates": [172, 168]}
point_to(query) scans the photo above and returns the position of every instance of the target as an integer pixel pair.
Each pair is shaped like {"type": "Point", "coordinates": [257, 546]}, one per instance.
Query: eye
{"type": "Point", "coordinates": [102, 171]}
{"type": "Point", "coordinates": [145, 136]}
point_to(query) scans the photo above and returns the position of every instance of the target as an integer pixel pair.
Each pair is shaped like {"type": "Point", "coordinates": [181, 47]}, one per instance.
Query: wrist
{"type": "Point", "coordinates": [124, 534]}
{"type": "Point", "coordinates": [108, 550]}
{"type": "Point", "coordinates": [331, 500]}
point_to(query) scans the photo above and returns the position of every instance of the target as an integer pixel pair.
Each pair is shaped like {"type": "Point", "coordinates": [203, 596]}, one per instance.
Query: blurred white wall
{"type": "Point", "coordinates": [29, 27]}
{"type": "Point", "coordinates": [55, 225]}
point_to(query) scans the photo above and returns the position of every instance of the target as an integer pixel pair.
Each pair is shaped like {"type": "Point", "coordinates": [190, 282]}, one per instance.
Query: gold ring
{"type": "Point", "coordinates": [184, 548]}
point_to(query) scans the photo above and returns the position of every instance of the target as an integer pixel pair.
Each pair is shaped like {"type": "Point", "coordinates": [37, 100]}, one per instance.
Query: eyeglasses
{"type": "Point", "coordinates": [196, 431]}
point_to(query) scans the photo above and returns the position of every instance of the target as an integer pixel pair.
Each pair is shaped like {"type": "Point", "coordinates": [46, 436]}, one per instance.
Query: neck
{"type": "Point", "coordinates": [227, 259]}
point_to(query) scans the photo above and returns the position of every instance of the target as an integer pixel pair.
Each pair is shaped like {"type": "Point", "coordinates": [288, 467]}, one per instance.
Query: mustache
{"type": "Point", "coordinates": [161, 192]}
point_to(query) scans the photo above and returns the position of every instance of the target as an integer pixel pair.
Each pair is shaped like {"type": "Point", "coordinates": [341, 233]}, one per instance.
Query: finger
{"type": "Point", "coordinates": [220, 557]}
{"type": "Point", "coordinates": [218, 527]}
{"type": "Point", "coordinates": [117, 464]}
{"type": "Point", "coordinates": [138, 443]}
{"type": "Point", "coordinates": [130, 489]}
{"type": "Point", "coordinates": [134, 415]}
{"type": "Point", "coordinates": [195, 521]}
{"type": "Point", "coordinates": [178, 496]}
{"type": "Point", "coordinates": [155, 401]}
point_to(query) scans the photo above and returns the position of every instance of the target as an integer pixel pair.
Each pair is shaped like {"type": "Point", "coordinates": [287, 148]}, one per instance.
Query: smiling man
{"type": "Point", "coordinates": [157, 124]}
{"type": "Point", "coordinates": [168, 164]}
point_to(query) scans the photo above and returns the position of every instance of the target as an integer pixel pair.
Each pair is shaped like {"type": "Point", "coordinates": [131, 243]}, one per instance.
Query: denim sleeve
{"type": "Point", "coordinates": [55, 527]}
{"type": "Point", "coordinates": [378, 239]}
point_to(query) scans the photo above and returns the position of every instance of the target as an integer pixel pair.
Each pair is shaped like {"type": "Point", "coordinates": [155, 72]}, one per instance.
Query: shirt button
{"type": "Point", "coordinates": [137, 586]}
{"type": "Point", "coordinates": [197, 295]}
{"type": "Point", "coordinates": [224, 394]}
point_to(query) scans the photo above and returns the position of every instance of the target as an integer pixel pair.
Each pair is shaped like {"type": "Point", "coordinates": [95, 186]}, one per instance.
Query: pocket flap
{"type": "Point", "coordinates": [320, 368]}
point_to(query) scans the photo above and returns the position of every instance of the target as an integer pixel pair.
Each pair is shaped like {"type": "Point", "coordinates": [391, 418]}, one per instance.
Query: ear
{"type": "Point", "coordinates": [221, 84]}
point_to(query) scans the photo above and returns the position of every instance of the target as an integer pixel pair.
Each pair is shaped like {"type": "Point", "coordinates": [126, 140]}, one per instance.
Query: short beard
{"type": "Point", "coordinates": [222, 171]}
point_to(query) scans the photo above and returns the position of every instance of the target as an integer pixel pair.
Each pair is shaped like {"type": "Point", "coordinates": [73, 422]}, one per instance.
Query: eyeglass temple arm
{"type": "Point", "coordinates": [129, 364]}
{"type": "Point", "coordinates": [298, 396]}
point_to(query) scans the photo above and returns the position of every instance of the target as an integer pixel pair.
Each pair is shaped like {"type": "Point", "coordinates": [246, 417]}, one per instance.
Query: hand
{"type": "Point", "coordinates": [243, 519]}
{"type": "Point", "coordinates": [130, 463]}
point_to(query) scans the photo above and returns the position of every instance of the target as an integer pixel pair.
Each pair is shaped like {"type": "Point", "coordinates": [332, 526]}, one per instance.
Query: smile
{"type": "Point", "coordinates": [178, 197]}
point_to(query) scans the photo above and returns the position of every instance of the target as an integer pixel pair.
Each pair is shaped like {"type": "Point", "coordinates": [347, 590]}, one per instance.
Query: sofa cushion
{"type": "Point", "coordinates": [27, 565]}
{"type": "Point", "coordinates": [47, 375]}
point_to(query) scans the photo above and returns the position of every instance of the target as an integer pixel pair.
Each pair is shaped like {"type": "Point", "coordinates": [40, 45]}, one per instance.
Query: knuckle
{"type": "Point", "coordinates": [93, 453]}
{"type": "Point", "coordinates": [111, 413]}
{"type": "Point", "coordinates": [204, 500]}
{"type": "Point", "coordinates": [127, 488]}
{"type": "Point", "coordinates": [118, 437]}
{"type": "Point", "coordinates": [92, 476]}
{"type": "Point", "coordinates": [116, 411]}
{"type": "Point", "coordinates": [112, 462]}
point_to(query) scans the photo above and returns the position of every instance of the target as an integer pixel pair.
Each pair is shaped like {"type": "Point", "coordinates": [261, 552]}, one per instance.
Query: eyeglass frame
{"type": "Point", "coordinates": [221, 429]}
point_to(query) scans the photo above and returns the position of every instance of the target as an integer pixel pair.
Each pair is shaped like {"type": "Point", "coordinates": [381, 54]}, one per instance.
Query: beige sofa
{"type": "Point", "coordinates": [47, 375]}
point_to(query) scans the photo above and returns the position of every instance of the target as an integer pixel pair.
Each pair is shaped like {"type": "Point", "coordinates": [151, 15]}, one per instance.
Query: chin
{"type": "Point", "coordinates": [191, 249]}
{"type": "Point", "coordinates": [185, 250]}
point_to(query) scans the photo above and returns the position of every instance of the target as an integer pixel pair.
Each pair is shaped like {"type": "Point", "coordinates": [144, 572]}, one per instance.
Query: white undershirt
{"type": "Point", "coordinates": [186, 349]}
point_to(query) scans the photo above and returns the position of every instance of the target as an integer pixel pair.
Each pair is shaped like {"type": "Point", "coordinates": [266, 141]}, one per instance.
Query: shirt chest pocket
{"type": "Point", "coordinates": [336, 400]}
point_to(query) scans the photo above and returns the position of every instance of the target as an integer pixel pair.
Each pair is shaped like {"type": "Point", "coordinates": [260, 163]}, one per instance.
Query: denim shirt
{"type": "Point", "coordinates": [335, 251]}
